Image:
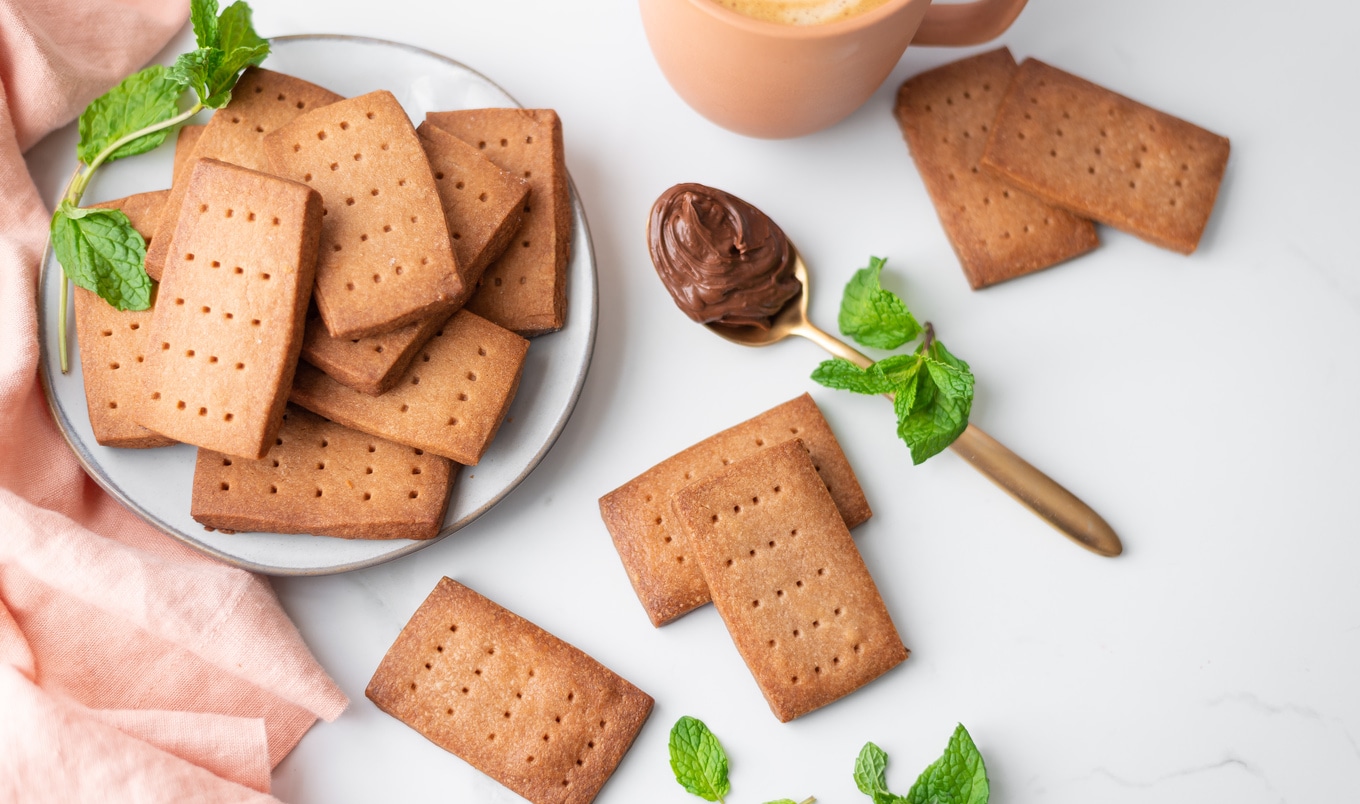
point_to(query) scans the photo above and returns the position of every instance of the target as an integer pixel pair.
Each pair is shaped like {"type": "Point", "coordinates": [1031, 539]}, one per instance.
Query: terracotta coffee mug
{"type": "Point", "coordinates": [765, 79]}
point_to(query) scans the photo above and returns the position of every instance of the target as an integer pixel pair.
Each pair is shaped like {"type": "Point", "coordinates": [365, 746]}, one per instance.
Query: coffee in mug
{"type": "Point", "coordinates": [801, 12]}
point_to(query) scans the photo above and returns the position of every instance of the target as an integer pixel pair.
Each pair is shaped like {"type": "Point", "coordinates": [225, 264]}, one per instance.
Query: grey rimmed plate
{"type": "Point", "coordinates": [156, 483]}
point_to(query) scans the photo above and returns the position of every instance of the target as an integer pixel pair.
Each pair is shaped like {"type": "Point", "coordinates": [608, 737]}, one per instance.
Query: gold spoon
{"type": "Point", "coordinates": [1035, 490]}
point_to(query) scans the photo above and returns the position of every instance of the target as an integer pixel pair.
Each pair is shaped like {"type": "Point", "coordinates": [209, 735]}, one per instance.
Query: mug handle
{"type": "Point", "coordinates": [967, 23]}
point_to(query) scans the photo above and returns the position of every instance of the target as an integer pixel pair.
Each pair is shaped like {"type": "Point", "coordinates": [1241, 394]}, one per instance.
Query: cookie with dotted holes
{"type": "Point", "coordinates": [1103, 156]}
{"type": "Point", "coordinates": [512, 700]}
{"type": "Point", "coordinates": [113, 346]}
{"type": "Point", "coordinates": [654, 548]}
{"type": "Point", "coordinates": [997, 231]}
{"type": "Point", "coordinates": [526, 289]}
{"type": "Point", "coordinates": [450, 401]}
{"type": "Point", "coordinates": [325, 479]}
{"type": "Point", "coordinates": [386, 257]}
{"type": "Point", "coordinates": [227, 327]}
{"type": "Point", "coordinates": [262, 101]}
{"type": "Point", "coordinates": [482, 207]}
{"type": "Point", "coordinates": [788, 580]}
{"type": "Point", "coordinates": [370, 365]}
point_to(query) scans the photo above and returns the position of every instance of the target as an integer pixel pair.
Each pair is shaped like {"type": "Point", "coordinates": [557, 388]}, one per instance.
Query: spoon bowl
{"type": "Point", "coordinates": [1031, 487]}
{"type": "Point", "coordinates": [785, 323]}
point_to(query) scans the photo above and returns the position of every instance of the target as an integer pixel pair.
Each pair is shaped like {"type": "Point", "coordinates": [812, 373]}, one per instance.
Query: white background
{"type": "Point", "coordinates": [1206, 406]}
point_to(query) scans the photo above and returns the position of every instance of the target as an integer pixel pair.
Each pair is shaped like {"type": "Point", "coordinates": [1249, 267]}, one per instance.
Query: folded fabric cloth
{"type": "Point", "coordinates": [132, 668]}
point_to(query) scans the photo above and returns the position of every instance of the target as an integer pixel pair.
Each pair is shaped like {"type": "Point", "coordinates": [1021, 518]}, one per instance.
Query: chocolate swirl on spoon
{"type": "Point", "coordinates": [723, 260]}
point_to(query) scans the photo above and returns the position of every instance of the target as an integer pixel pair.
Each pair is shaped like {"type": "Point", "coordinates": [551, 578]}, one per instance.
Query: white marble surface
{"type": "Point", "coordinates": [1206, 406]}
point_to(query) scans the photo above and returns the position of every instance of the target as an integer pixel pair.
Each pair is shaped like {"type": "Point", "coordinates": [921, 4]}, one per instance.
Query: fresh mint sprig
{"type": "Point", "coordinates": [959, 776]}
{"type": "Point", "coordinates": [700, 763]}
{"type": "Point", "coordinates": [98, 249]}
{"type": "Point", "coordinates": [932, 389]}
{"type": "Point", "coordinates": [226, 45]}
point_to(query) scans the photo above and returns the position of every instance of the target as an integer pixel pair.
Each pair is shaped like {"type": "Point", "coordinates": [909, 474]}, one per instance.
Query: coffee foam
{"type": "Point", "coordinates": [800, 12]}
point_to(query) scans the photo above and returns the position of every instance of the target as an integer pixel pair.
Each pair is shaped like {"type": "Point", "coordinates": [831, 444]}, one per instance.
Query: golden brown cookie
{"type": "Point", "coordinates": [512, 700]}
{"type": "Point", "coordinates": [997, 231]}
{"type": "Point", "coordinates": [483, 204]}
{"type": "Point", "coordinates": [324, 479]}
{"type": "Point", "coordinates": [1103, 156]}
{"type": "Point", "coordinates": [370, 365]}
{"type": "Point", "coordinates": [113, 346]}
{"type": "Point", "coordinates": [788, 580]}
{"type": "Point", "coordinates": [224, 338]}
{"type": "Point", "coordinates": [450, 401]}
{"type": "Point", "coordinates": [185, 142]}
{"type": "Point", "coordinates": [526, 289]}
{"type": "Point", "coordinates": [386, 257]}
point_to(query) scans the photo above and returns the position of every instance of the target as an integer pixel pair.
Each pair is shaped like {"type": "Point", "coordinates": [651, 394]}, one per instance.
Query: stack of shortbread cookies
{"type": "Point", "coordinates": [1021, 161]}
{"type": "Point", "coordinates": [756, 519]}
{"type": "Point", "coordinates": [405, 267]}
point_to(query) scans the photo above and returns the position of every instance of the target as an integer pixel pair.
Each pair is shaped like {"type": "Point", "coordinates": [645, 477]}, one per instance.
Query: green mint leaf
{"type": "Point", "coordinates": [957, 777]}
{"type": "Point", "coordinates": [203, 15]}
{"type": "Point", "coordinates": [898, 369]}
{"type": "Point", "coordinates": [873, 316]}
{"type": "Point", "coordinates": [843, 375]}
{"type": "Point", "coordinates": [698, 760]}
{"type": "Point", "coordinates": [235, 29]}
{"type": "Point", "coordinates": [101, 252]}
{"type": "Point", "coordinates": [195, 68]}
{"type": "Point", "coordinates": [142, 99]}
{"type": "Point", "coordinates": [912, 387]}
{"type": "Point", "coordinates": [932, 427]}
{"type": "Point", "coordinates": [933, 411]}
{"type": "Point", "coordinates": [226, 46]}
{"type": "Point", "coordinates": [938, 352]}
{"type": "Point", "coordinates": [951, 383]}
{"type": "Point", "coordinates": [871, 770]}
{"type": "Point", "coordinates": [228, 69]}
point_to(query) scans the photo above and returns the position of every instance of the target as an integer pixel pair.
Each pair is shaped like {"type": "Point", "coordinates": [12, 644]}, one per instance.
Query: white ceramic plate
{"type": "Point", "coordinates": [156, 483]}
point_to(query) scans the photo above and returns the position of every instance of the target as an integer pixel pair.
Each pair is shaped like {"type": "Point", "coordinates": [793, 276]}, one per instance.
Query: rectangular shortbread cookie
{"type": "Point", "coordinates": [482, 207]}
{"type": "Point", "coordinates": [185, 142]}
{"type": "Point", "coordinates": [386, 258]}
{"type": "Point", "coordinates": [324, 479]}
{"type": "Point", "coordinates": [1103, 156]}
{"type": "Point", "coordinates": [369, 365]}
{"type": "Point", "coordinates": [113, 346]}
{"type": "Point", "coordinates": [653, 546]}
{"type": "Point", "coordinates": [483, 204]}
{"type": "Point", "coordinates": [262, 101]}
{"type": "Point", "coordinates": [997, 231]}
{"type": "Point", "coordinates": [518, 704]}
{"type": "Point", "coordinates": [788, 580]}
{"type": "Point", "coordinates": [450, 401]}
{"type": "Point", "coordinates": [526, 289]}
{"type": "Point", "coordinates": [227, 329]}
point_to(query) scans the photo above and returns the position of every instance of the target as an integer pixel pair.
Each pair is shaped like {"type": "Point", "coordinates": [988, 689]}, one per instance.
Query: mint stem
{"type": "Point", "coordinates": [75, 190]}
{"type": "Point", "coordinates": [927, 337]}
{"type": "Point", "coordinates": [61, 312]}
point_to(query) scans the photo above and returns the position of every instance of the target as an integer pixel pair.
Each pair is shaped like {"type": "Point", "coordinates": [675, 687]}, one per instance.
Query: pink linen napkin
{"type": "Point", "coordinates": [132, 668]}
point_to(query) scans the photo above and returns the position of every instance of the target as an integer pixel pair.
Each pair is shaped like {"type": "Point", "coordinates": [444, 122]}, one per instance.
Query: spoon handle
{"type": "Point", "coordinates": [1038, 492]}
{"type": "Point", "coordinates": [1017, 477]}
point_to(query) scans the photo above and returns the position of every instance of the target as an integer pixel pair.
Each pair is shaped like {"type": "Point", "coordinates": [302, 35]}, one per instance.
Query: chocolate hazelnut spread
{"type": "Point", "coordinates": [723, 260]}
